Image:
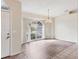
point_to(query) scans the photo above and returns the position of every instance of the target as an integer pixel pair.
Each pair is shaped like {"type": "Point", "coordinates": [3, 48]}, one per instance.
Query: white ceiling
{"type": "Point", "coordinates": [57, 7]}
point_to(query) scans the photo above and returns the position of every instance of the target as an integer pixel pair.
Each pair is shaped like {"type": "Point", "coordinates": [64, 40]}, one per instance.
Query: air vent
{"type": "Point", "coordinates": [71, 11]}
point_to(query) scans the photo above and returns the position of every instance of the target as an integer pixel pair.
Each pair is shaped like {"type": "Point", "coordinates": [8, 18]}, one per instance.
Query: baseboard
{"type": "Point", "coordinates": [16, 53]}
{"type": "Point", "coordinates": [5, 57]}
{"type": "Point", "coordinates": [12, 54]}
{"type": "Point", "coordinates": [50, 38]}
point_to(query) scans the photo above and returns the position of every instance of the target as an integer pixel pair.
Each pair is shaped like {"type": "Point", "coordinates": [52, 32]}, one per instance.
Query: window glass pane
{"type": "Point", "coordinates": [36, 30]}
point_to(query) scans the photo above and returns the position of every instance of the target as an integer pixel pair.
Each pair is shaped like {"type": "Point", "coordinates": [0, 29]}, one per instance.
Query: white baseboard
{"type": "Point", "coordinates": [15, 53]}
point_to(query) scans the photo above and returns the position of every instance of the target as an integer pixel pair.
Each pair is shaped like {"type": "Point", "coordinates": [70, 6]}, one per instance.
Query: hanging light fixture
{"type": "Point", "coordinates": [48, 20]}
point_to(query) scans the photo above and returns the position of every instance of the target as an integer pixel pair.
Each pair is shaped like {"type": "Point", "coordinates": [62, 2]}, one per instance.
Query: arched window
{"type": "Point", "coordinates": [37, 31]}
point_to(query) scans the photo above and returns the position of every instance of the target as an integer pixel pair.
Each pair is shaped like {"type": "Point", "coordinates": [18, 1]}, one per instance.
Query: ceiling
{"type": "Point", "coordinates": [57, 7]}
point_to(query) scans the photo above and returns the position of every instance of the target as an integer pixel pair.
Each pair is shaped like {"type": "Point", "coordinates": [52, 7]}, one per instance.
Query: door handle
{"type": "Point", "coordinates": [8, 33]}
{"type": "Point", "coordinates": [8, 37]}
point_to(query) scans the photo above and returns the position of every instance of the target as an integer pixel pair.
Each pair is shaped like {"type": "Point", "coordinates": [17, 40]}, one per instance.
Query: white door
{"type": "Point", "coordinates": [5, 34]}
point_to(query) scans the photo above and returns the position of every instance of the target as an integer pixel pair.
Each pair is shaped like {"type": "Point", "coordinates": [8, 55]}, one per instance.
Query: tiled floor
{"type": "Point", "coordinates": [48, 49]}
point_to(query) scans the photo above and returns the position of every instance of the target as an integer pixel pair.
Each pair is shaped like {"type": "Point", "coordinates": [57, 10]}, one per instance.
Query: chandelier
{"type": "Point", "coordinates": [48, 20]}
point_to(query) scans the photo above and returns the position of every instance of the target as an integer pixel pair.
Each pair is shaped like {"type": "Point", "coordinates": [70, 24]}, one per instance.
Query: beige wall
{"type": "Point", "coordinates": [66, 27]}
{"type": "Point", "coordinates": [15, 17]}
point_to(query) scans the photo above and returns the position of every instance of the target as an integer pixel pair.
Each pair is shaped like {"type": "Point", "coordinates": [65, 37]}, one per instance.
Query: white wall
{"type": "Point", "coordinates": [48, 30]}
{"type": "Point", "coordinates": [66, 27]}
{"type": "Point", "coordinates": [26, 30]}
